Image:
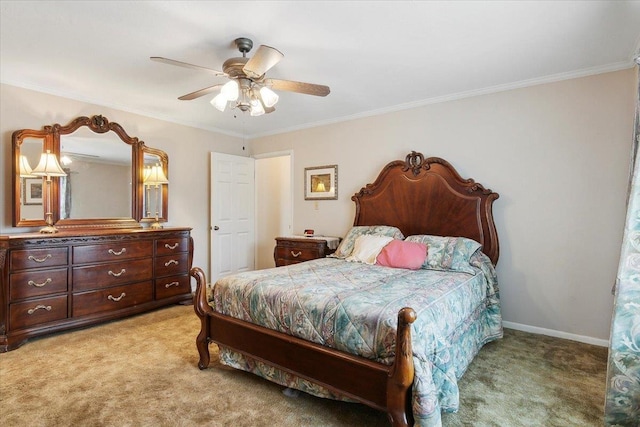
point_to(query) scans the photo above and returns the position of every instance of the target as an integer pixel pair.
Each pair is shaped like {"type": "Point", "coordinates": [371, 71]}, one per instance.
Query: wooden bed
{"type": "Point", "coordinates": [419, 196]}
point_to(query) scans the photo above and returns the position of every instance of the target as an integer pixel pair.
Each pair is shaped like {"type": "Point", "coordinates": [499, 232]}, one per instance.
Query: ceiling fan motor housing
{"type": "Point", "coordinates": [233, 67]}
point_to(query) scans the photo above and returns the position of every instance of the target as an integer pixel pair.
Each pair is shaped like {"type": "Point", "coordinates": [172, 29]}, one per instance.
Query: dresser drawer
{"type": "Point", "coordinates": [172, 285]}
{"type": "Point", "coordinates": [35, 283]}
{"type": "Point", "coordinates": [171, 246]}
{"type": "Point", "coordinates": [38, 258]}
{"type": "Point", "coordinates": [112, 299]}
{"type": "Point", "coordinates": [35, 312]}
{"type": "Point", "coordinates": [111, 251]}
{"type": "Point", "coordinates": [172, 264]}
{"type": "Point", "coordinates": [115, 273]}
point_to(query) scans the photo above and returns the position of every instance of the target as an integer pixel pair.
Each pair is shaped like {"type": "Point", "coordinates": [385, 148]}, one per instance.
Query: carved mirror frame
{"type": "Point", "coordinates": [51, 141]}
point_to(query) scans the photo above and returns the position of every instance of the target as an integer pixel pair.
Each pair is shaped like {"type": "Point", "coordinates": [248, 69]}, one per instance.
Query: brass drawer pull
{"type": "Point", "coordinates": [168, 246]}
{"type": "Point", "coordinates": [39, 307]}
{"type": "Point", "coordinates": [111, 273]}
{"type": "Point", "coordinates": [39, 285]}
{"type": "Point", "coordinates": [296, 254]}
{"type": "Point", "coordinates": [112, 298]}
{"type": "Point", "coordinates": [32, 258]}
{"type": "Point", "coordinates": [168, 285]}
{"type": "Point", "coordinates": [120, 252]}
{"type": "Point", "coordinates": [170, 262]}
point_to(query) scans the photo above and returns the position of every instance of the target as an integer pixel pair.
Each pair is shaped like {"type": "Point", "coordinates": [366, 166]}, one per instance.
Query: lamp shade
{"type": "Point", "coordinates": [155, 176]}
{"type": "Point", "coordinates": [48, 166]}
{"type": "Point", "coordinates": [256, 107]}
{"type": "Point", "coordinates": [220, 102]}
{"type": "Point", "coordinates": [230, 90]}
{"type": "Point", "coordinates": [25, 167]}
{"type": "Point", "coordinates": [269, 97]}
{"type": "Point", "coordinates": [320, 188]}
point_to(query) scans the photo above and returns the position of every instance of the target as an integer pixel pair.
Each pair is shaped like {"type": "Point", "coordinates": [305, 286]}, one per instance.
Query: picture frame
{"type": "Point", "coordinates": [32, 191]}
{"type": "Point", "coordinates": [321, 183]}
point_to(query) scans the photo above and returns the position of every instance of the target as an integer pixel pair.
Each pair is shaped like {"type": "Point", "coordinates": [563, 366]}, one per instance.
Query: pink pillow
{"type": "Point", "coordinates": [401, 254]}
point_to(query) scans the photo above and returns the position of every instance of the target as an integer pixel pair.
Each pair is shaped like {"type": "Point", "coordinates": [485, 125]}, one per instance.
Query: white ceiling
{"type": "Point", "coordinates": [376, 56]}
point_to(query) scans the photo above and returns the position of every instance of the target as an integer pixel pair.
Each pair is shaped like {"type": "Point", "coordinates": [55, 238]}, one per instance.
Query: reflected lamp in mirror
{"type": "Point", "coordinates": [320, 188]}
{"type": "Point", "coordinates": [154, 177]}
{"type": "Point", "coordinates": [48, 168]}
{"type": "Point", "coordinates": [25, 168]}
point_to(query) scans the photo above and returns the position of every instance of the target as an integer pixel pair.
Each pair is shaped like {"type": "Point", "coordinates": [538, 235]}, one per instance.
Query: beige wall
{"type": "Point", "coordinates": [558, 155]}
{"type": "Point", "coordinates": [273, 202]}
{"type": "Point", "coordinates": [188, 149]}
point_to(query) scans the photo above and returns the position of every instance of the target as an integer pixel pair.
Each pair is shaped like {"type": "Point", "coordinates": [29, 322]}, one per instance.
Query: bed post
{"type": "Point", "coordinates": [401, 374]}
{"type": "Point", "coordinates": [202, 308]}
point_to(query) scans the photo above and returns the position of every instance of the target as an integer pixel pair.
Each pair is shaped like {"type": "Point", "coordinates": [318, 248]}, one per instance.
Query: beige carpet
{"type": "Point", "coordinates": [142, 371]}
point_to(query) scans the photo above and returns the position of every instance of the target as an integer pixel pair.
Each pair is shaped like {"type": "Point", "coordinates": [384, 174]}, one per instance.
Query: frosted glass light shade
{"type": "Point", "coordinates": [230, 90]}
{"type": "Point", "coordinates": [220, 102]}
{"type": "Point", "coordinates": [256, 107]}
{"type": "Point", "coordinates": [48, 166]}
{"type": "Point", "coordinates": [269, 97]}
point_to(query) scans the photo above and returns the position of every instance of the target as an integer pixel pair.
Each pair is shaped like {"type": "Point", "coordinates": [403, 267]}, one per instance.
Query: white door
{"type": "Point", "coordinates": [232, 215]}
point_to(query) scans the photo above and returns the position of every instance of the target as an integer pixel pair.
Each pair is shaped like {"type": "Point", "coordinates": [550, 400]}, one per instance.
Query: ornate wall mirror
{"type": "Point", "coordinates": [104, 186]}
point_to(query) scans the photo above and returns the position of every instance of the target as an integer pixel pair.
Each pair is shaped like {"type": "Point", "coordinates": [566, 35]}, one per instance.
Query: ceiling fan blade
{"type": "Point", "coordinates": [199, 93]}
{"type": "Point", "coordinates": [264, 58]}
{"type": "Point", "coordinates": [186, 65]}
{"type": "Point", "coordinates": [291, 86]}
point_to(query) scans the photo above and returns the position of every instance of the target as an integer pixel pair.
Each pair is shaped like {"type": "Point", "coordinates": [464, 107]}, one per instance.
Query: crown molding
{"type": "Point", "coordinates": [457, 96]}
{"type": "Point", "coordinates": [144, 113]}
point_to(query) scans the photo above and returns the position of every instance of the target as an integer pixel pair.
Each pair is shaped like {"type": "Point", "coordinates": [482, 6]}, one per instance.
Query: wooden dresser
{"type": "Point", "coordinates": [71, 279]}
{"type": "Point", "coordinates": [295, 249]}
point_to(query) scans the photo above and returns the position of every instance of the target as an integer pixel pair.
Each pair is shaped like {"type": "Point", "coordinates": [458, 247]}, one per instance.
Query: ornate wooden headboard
{"type": "Point", "coordinates": [428, 196]}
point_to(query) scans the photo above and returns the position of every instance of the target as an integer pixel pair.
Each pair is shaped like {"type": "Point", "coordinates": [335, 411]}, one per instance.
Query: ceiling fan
{"type": "Point", "coordinates": [248, 89]}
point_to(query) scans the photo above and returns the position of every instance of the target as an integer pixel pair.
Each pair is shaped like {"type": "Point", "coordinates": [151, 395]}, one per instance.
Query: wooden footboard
{"type": "Point", "coordinates": [384, 387]}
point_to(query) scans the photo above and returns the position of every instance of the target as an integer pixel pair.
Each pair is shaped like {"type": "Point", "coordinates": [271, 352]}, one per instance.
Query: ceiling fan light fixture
{"type": "Point", "coordinates": [220, 102]}
{"type": "Point", "coordinates": [230, 90]}
{"type": "Point", "coordinates": [256, 107]}
{"type": "Point", "coordinates": [269, 97]}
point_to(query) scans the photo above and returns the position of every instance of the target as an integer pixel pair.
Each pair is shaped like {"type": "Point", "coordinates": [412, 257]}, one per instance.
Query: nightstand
{"type": "Point", "coordinates": [295, 249]}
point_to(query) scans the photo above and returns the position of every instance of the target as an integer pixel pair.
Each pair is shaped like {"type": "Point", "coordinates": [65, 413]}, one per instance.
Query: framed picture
{"type": "Point", "coordinates": [32, 191]}
{"type": "Point", "coordinates": [321, 183]}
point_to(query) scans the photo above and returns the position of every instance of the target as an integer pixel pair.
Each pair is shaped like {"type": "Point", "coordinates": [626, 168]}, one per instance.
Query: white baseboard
{"type": "Point", "coordinates": [557, 334]}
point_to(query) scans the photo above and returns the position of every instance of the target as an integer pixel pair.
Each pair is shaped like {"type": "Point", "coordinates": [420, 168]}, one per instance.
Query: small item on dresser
{"type": "Point", "coordinates": [308, 232]}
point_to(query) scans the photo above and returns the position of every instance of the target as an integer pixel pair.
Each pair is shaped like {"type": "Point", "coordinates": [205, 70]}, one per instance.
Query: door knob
{"type": "Point", "coordinates": [216, 228]}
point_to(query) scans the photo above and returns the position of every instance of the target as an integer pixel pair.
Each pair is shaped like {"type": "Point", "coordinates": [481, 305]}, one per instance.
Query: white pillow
{"type": "Point", "coordinates": [367, 248]}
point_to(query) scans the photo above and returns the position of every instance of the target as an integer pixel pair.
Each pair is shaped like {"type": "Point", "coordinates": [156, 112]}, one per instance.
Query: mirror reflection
{"type": "Point", "coordinates": [31, 187]}
{"type": "Point", "coordinates": [98, 182]}
{"type": "Point", "coordinates": [154, 184]}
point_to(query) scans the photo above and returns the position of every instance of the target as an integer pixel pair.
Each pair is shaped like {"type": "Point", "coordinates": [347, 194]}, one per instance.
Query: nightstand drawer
{"type": "Point", "coordinates": [297, 254]}
{"type": "Point", "coordinates": [292, 250]}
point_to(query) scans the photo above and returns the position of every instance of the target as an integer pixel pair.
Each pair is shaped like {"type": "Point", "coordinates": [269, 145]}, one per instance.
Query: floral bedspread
{"type": "Point", "coordinates": [353, 307]}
